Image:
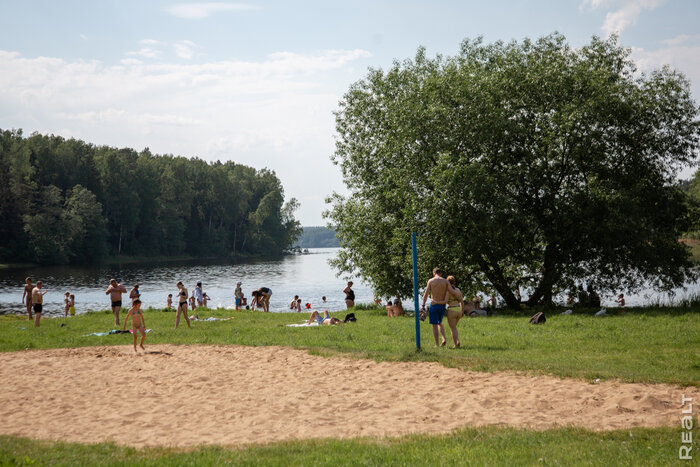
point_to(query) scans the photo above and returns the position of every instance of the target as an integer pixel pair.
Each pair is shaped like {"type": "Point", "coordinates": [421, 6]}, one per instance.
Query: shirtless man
{"type": "Point", "coordinates": [115, 291]}
{"type": "Point", "coordinates": [37, 302]}
{"type": "Point", "coordinates": [437, 289]}
{"type": "Point", "coordinates": [28, 294]}
{"type": "Point", "coordinates": [138, 324]}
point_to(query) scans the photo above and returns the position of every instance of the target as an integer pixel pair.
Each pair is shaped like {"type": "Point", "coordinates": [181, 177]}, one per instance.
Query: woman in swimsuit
{"type": "Point", "coordinates": [182, 305]}
{"type": "Point", "coordinates": [262, 297]}
{"type": "Point", "coordinates": [349, 296]}
{"type": "Point", "coordinates": [455, 308]}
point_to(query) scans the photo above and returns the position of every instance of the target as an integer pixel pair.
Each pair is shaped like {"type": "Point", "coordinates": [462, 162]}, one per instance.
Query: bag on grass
{"type": "Point", "coordinates": [538, 318]}
{"type": "Point", "coordinates": [350, 317]}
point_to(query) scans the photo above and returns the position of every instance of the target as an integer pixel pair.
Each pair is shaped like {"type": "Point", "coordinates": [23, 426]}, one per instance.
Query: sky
{"type": "Point", "coordinates": [257, 82]}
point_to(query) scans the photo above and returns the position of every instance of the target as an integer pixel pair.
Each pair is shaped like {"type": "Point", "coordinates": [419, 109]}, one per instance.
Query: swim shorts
{"type": "Point", "coordinates": [437, 312]}
{"type": "Point", "coordinates": [238, 302]}
{"type": "Point", "coordinates": [116, 303]}
{"type": "Point", "coordinates": [37, 307]}
{"type": "Point", "coordinates": [320, 318]}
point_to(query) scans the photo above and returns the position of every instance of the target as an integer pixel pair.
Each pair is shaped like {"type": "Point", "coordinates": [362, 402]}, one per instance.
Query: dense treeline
{"type": "Point", "coordinates": [317, 237]}
{"type": "Point", "coordinates": [68, 201]}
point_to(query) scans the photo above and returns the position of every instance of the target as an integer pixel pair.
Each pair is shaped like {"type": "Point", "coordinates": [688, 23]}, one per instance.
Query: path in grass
{"type": "Point", "coordinates": [229, 395]}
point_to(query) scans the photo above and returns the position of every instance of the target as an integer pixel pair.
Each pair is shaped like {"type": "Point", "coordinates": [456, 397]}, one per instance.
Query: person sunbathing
{"type": "Point", "coordinates": [324, 318]}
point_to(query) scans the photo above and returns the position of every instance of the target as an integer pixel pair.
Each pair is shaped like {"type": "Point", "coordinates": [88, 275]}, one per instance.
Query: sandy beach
{"type": "Point", "coordinates": [232, 395]}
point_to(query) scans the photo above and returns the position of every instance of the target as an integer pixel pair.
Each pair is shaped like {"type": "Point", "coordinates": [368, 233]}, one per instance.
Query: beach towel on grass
{"type": "Point", "coordinates": [211, 318]}
{"type": "Point", "coordinates": [113, 331]}
{"type": "Point", "coordinates": [303, 325]}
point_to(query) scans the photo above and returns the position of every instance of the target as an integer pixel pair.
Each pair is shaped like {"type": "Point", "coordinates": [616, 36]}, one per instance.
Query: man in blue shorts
{"type": "Point", "coordinates": [437, 289]}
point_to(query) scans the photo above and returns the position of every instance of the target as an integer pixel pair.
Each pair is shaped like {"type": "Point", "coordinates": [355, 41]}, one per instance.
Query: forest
{"type": "Point", "coordinates": [66, 201]}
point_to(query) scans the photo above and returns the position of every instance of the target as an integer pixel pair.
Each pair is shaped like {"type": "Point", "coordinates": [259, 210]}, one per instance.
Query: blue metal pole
{"type": "Point", "coordinates": [415, 288]}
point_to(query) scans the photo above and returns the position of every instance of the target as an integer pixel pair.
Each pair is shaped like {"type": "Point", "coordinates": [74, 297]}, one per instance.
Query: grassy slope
{"type": "Point", "coordinates": [653, 345]}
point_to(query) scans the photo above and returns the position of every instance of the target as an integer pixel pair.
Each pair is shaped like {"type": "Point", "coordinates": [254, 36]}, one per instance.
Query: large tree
{"type": "Point", "coordinates": [523, 164]}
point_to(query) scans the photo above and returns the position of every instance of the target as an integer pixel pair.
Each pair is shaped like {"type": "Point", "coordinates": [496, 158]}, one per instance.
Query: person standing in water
{"type": "Point", "coordinates": [38, 302]}
{"type": "Point", "coordinates": [115, 291]}
{"type": "Point", "coordinates": [349, 296]}
{"type": "Point", "coordinates": [28, 287]}
{"type": "Point", "coordinates": [261, 297]}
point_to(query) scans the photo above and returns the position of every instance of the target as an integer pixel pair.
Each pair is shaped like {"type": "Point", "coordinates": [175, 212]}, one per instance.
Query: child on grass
{"type": "Point", "coordinates": [138, 324]}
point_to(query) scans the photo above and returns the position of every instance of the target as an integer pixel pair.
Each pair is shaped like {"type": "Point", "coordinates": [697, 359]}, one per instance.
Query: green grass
{"type": "Point", "coordinates": [653, 345]}
{"type": "Point", "coordinates": [483, 446]}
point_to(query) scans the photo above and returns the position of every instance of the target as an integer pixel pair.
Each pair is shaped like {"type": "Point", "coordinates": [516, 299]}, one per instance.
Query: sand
{"type": "Point", "coordinates": [230, 395]}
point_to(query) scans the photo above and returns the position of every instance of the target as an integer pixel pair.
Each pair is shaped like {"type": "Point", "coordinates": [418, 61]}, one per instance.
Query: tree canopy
{"type": "Point", "coordinates": [528, 164]}
{"type": "Point", "coordinates": [67, 201]}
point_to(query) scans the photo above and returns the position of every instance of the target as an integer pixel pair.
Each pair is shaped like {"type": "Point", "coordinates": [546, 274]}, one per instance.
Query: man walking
{"type": "Point", "coordinates": [437, 289]}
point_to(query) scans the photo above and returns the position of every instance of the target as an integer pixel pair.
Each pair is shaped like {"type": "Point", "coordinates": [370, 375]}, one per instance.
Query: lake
{"type": "Point", "coordinates": [308, 276]}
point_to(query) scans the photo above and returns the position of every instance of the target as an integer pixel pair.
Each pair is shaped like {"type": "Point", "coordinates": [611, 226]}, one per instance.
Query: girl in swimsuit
{"type": "Point", "coordinates": [455, 308]}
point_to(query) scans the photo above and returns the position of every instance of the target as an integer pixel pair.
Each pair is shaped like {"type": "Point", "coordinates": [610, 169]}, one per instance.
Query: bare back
{"type": "Point", "coordinates": [437, 288]}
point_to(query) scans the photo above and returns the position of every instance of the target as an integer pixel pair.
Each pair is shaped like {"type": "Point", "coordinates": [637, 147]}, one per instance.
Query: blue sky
{"type": "Point", "coordinates": [256, 82]}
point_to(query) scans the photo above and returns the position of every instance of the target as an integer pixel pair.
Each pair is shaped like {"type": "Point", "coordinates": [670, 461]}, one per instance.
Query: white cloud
{"type": "Point", "coordinates": [625, 12]}
{"type": "Point", "coordinates": [680, 39]}
{"type": "Point", "coordinates": [152, 42]}
{"type": "Point", "coordinates": [184, 49]}
{"type": "Point", "coordinates": [680, 55]}
{"type": "Point", "coordinates": [144, 52]}
{"type": "Point", "coordinates": [204, 10]}
{"type": "Point", "coordinates": [275, 112]}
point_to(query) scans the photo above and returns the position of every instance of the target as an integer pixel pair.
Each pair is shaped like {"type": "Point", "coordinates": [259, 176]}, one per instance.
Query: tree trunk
{"type": "Point", "coordinates": [495, 276]}
{"type": "Point", "coordinates": [543, 291]}
{"type": "Point", "coordinates": [119, 248]}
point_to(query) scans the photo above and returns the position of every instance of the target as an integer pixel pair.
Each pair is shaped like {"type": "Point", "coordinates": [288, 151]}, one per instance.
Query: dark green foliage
{"type": "Point", "coordinates": [523, 164]}
{"type": "Point", "coordinates": [67, 201]}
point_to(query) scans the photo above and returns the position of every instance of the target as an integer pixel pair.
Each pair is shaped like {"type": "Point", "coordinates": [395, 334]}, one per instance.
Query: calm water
{"type": "Point", "coordinates": [308, 276]}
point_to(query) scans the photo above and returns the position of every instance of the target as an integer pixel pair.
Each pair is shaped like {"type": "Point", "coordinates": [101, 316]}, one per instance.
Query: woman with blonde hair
{"type": "Point", "coordinates": [455, 308]}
